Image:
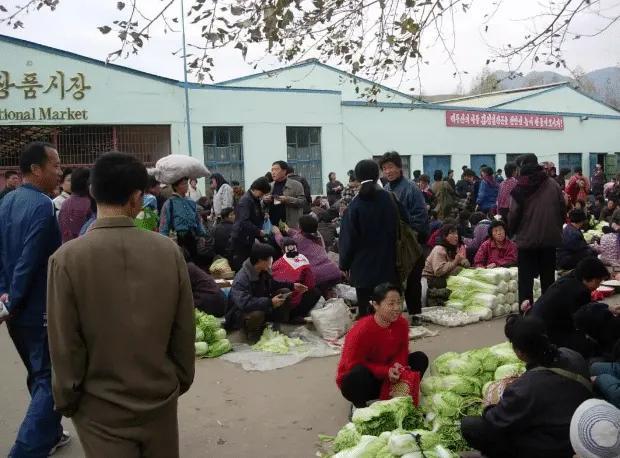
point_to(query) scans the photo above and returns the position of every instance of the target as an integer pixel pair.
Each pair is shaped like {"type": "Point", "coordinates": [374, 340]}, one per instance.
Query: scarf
{"type": "Point", "coordinates": [531, 178]}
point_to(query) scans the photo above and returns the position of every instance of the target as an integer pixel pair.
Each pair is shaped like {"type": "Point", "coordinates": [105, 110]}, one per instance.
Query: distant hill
{"type": "Point", "coordinates": [602, 84]}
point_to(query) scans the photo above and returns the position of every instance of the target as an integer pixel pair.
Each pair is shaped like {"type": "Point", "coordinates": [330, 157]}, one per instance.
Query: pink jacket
{"type": "Point", "coordinates": [490, 253]}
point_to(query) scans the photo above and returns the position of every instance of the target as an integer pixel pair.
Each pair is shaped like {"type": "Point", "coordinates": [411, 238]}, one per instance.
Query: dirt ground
{"type": "Point", "coordinates": [233, 413]}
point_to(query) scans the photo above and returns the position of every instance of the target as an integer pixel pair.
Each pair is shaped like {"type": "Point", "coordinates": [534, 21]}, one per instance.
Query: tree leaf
{"type": "Point", "coordinates": [104, 29]}
{"type": "Point", "coordinates": [120, 5]}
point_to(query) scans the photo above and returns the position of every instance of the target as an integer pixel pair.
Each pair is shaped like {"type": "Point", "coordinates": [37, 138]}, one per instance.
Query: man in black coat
{"type": "Point", "coordinates": [249, 220]}
{"type": "Point", "coordinates": [563, 299]}
{"type": "Point", "coordinates": [223, 231]}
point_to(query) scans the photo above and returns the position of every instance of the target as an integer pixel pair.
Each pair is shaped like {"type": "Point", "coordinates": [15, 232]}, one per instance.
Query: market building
{"type": "Point", "coordinates": [312, 115]}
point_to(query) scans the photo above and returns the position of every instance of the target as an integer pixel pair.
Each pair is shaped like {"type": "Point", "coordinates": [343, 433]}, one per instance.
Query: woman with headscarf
{"type": "Point", "coordinates": [310, 243]}
{"type": "Point", "coordinates": [294, 267]}
{"type": "Point", "coordinates": [489, 189]}
{"type": "Point", "coordinates": [368, 232]}
{"type": "Point", "coordinates": [223, 195]}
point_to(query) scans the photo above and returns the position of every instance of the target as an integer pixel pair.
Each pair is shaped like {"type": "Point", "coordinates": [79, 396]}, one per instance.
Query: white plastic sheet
{"type": "Point", "coordinates": [252, 360]}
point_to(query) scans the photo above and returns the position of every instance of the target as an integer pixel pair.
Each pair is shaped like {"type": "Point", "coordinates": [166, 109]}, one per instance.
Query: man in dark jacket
{"type": "Point", "coordinates": [223, 231]}
{"type": "Point", "coordinates": [533, 415]}
{"type": "Point", "coordinates": [558, 305]}
{"type": "Point", "coordinates": [256, 297]}
{"type": "Point", "coordinates": [413, 201]}
{"type": "Point", "coordinates": [536, 216]}
{"type": "Point", "coordinates": [11, 183]}
{"type": "Point", "coordinates": [29, 235]}
{"type": "Point", "coordinates": [249, 220]}
{"type": "Point", "coordinates": [574, 247]}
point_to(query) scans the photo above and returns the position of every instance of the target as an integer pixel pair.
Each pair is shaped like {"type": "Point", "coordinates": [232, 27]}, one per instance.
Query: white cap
{"type": "Point", "coordinates": [595, 430]}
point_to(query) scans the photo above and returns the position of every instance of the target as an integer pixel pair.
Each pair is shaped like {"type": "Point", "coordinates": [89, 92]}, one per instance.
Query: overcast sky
{"type": "Point", "coordinates": [73, 27]}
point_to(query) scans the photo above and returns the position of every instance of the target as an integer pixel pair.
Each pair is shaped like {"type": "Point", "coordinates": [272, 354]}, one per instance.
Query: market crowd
{"type": "Point", "coordinates": [66, 232]}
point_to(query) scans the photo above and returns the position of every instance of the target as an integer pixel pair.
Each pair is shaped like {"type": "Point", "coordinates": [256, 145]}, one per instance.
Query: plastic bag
{"type": "Point", "coordinates": [267, 226]}
{"type": "Point", "coordinates": [172, 168]}
{"type": "Point", "coordinates": [333, 320]}
{"type": "Point", "coordinates": [346, 292]}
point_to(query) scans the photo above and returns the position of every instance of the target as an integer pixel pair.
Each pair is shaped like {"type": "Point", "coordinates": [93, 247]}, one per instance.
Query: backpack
{"type": "Point", "coordinates": [408, 249]}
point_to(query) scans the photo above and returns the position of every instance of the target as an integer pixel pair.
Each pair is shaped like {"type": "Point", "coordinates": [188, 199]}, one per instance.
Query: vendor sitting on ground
{"type": "Point", "coordinates": [208, 297]}
{"type": "Point", "coordinates": [447, 258]}
{"type": "Point", "coordinates": [497, 250]}
{"type": "Point", "coordinates": [558, 305]}
{"type": "Point", "coordinates": [532, 418]}
{"type": "Point", "coordinates": [310, 244]}
{"type": "Point", "coordinates": [606, 378]}
{"type": "Point", "coordinates": [376, 349]}
{"type": "Point", "coordinates": [609, 248]}
{"type": "Point", "coordinates": [294, 267]}
{"type": "Point", "coordinates": [256, 297]}
{"type": "Point", "coordinates": [574, 247]}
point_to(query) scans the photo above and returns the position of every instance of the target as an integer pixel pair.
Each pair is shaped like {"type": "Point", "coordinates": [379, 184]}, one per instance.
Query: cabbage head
{"type": "Point", "coordinates": [504, 353]}
{"type": "Point", "coordinates": [219, 348]}
{"type": "Point", "coordinates": [347, 437]}
{"type": "Point", "coordinates": [201, 348]}
{"type": "Point", "coordinates": [461, 385]}
{"type": "Point", "coordinates": [446, 404]}
{"type": "Point", "coordinates": [208, 324]}
{"type": "Point", "coordinates": [357, 450]}
{"type": "Point", "coordinates": [200, 336]}
{"type": "Point", "coordinates": [220, 334]}
{"type": "Point", "coordinates": [486, 358]}
{"type": "Point", "coordinates": [509, 370]}
{"type": "Point", "coordinates": [383, 415]}
{"type": "Point", "coordinates": [430, 384]}
{"type": "Point", "coordinates": [439, 365]}
{"type": "Point", "coordinates": [463, 366]}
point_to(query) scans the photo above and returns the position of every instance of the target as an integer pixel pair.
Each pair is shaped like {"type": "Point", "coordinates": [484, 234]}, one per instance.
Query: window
{"type": "Point", "coordinates": [223, 148]}
{"type": "Point", "coordinates": [570, 161]}
{"type": "Point", "coordinates": [432, 163]}
{"type": "Point", "coordinates": [478, 160]}
{"type": "Point", "coordinates": [406, 164]}
{"type": "Point", "coordinates": [303, 148]}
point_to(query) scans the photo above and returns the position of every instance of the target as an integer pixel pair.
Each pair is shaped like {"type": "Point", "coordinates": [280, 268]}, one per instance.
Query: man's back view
{"type": "Point", "coordinates": [121, 327]}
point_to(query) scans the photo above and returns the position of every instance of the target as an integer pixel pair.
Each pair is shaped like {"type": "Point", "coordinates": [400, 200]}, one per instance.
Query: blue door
{"type": "Point", "coordinates": [432, 163]}
{"type": "Point", "coordinates": [478, 160]}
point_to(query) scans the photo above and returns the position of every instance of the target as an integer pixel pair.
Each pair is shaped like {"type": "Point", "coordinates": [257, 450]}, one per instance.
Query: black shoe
{"type": "Point", "coordinates": [65, 438]}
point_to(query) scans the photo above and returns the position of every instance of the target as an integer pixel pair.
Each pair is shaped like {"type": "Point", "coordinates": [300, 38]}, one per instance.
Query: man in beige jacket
{"type": "Point", "coordinates": [121, 327]}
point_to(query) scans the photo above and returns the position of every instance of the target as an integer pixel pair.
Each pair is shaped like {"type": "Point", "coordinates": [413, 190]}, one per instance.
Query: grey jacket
{"type": "Point", "coordinates": [295, 208]}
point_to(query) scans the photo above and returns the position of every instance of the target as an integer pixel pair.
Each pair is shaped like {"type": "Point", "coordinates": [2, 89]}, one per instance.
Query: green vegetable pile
{"type": "Point", "coordinates": [455, 388]}
{"type": "Point", "coordinates": [211, 340]}
{"type": "Point", "coordinates": [596, 232]}
{"type": "Point", "coordinates": [274, 342]}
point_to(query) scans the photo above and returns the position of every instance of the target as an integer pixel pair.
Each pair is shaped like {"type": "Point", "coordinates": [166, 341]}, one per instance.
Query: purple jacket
{"type": "Point", "coordinates": [73, 214]}
{"type": "Point", "coordinates": [325, 271]}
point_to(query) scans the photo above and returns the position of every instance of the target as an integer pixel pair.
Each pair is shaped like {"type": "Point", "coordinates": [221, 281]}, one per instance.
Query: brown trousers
{"type": "Point", "coordinates": [154, 437]}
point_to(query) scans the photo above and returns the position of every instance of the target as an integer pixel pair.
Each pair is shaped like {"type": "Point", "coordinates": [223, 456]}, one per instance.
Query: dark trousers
{"type": "Point", "coordinates": [413, 292]}
{"type": "Point", "coordinates": [214, 304]}
{"type": "Point", "coordinates": [308, 301]}
{"type": "Point", "coordinates": [532, 263]}
{"type": "Point", "coordinates": [156, 436]}
{"type": "Point", "coordinates": [360, 385]}
{"type": "Point", "coordinates": [364, 296]}
{"type": "Point", "coordinates": [41, 428]}
{"type": "Point", "coordinates": [480, 435]}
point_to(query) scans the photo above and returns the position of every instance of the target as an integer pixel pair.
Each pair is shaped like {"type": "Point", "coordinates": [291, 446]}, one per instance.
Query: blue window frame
{"type": "Point", "coordinates": [569, 160]}
{"type": "Point", "coordinates": [223, 149]}
{"type": "Point", "coordinates": [303, 149]}
{"type": "Point", "coordinates": [432, 163]}
{"type": "Point", "coordinates": [478, 160]}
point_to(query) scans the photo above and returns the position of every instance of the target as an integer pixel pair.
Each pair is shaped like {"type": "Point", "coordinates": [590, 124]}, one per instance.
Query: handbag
{"type": "Point", "coordinates": [408, 249]}
{"type": "Point", "coordinates": [407, 385]}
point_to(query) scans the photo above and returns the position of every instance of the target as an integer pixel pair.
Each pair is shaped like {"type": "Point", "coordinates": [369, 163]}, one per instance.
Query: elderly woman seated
{"type": "Point", "coordinates": [496, 250]}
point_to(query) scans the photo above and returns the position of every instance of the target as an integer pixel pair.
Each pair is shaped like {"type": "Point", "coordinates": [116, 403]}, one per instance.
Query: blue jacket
{"type": "Point", "coordinates": [29, 235]}
{"type": "Point", "coordinates": [186, 217]}
{"type": "Point", "coordinates": [487, 196]}
{"type": "Point", "coordinates": [412, 199]}
{"type": "Point", "coordinates": [367, 243]}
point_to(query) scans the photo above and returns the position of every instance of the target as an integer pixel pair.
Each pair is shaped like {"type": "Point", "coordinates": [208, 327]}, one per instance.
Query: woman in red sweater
{"type": "Point", "coordinates": [376, 349]}
{"type": "Point", "coordinates": [497, 250]}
